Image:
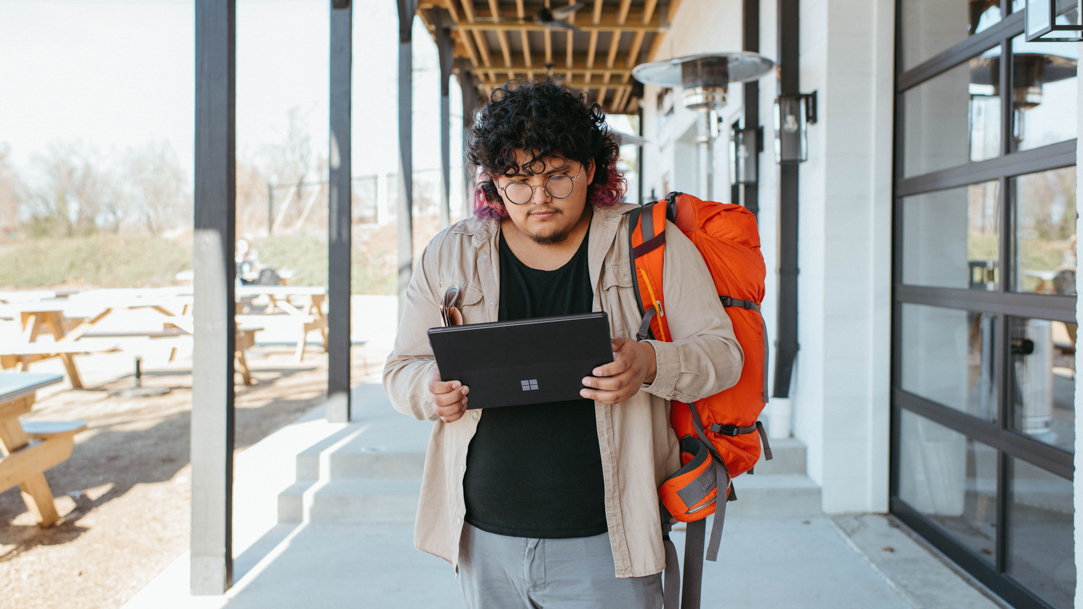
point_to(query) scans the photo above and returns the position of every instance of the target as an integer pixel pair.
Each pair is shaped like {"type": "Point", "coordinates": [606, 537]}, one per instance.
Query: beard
{"type": "Point", "coordinates": [553, 238]}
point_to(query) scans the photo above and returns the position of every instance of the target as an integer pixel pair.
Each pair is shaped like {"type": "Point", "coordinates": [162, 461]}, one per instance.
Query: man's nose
{"type": "Point", "coordinates": [541, 195]}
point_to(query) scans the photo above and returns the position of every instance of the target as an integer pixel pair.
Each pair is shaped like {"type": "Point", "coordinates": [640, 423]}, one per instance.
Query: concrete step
{"type": "Point", "coordinates": [777, 495]}
{"type": "Point", "coordinates": [789, 457]}
{"type": "Point", "coordinates": [350, 500]}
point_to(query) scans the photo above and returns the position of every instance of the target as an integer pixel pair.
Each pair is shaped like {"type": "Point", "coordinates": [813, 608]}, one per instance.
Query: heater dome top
{"type": "Point", "coordinates": [719, 69]}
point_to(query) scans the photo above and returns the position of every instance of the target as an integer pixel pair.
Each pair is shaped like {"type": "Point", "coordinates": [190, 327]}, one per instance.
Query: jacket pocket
{"type": "Point", "coordinates": [470, 300]}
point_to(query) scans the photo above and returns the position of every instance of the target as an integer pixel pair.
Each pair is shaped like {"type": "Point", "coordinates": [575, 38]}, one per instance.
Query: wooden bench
{"type": "Point", "coordinates": [24, 354]}
{"type": "Point", "coordinates": [28, 448]}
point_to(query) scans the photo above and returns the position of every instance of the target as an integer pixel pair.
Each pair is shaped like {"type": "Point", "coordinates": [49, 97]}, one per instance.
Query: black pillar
{"type": "Point", "coordinates": [405, 210]}
{"type": "Point", "coordinates": [468, 86]}
{"type": "Point", "coordinates": [339, 214]}
{"type": "Point", "coordinates": [789, 55]}
{"type": "Point", "coordinates": [215, 271]}
{"type": "Point", "coordinates": [751, 38]}
{"type": "Point", "coordinates": [447, 59]}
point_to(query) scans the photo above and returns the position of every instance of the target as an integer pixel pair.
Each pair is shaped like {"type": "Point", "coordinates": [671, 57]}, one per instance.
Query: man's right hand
{"type": "Point", "coordinates": [448, 398]}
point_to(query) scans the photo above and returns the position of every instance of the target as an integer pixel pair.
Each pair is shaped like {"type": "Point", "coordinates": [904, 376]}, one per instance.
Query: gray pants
{"type": "Point", "coordinates": [500, 572]}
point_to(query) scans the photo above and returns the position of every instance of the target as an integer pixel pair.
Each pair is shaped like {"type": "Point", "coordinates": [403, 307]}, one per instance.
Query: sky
{"type": "Point", "coordinates": [116, 74]}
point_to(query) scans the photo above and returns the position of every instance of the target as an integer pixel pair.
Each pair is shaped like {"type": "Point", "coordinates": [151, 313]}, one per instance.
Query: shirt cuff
{"type": "Point", "coordinates": [667, 365]}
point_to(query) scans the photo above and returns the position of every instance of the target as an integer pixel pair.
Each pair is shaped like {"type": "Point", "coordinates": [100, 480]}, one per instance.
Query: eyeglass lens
{"type": "Point", "coordinates": [558, 187]}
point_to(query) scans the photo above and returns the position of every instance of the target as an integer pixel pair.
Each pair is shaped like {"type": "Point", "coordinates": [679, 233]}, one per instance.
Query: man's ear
{"type": "Point", "coordinates": [590, 171]}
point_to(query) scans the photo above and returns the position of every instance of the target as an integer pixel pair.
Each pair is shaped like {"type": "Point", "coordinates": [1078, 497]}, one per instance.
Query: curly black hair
{"type": "Point", "coordinates": [544, 119]}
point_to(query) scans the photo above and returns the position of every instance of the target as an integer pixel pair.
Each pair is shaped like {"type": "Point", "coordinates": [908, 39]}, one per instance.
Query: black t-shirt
{"type": "Point", "coordinates": [536, 470]}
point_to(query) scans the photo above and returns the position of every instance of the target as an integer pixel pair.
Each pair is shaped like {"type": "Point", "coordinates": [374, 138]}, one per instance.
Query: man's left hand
{"type": "Point", "coordinates": [633, 364]}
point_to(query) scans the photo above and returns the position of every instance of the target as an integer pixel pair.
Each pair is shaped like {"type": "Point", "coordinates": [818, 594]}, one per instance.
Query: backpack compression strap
{"type": "Point", "coordinates": [728, 301]}
{"type": "Point", "coordinates": [647, 240]}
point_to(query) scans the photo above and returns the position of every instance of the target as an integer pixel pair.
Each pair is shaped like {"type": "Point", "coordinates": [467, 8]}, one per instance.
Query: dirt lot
{"type": "Point", "coordinates": [124, 494]}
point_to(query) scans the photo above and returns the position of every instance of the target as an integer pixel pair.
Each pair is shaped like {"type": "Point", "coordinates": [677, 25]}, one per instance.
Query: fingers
{"type": "Point", "coordinates": [623, 358]}
{"type": "Point", "coordinates": [449, 398]}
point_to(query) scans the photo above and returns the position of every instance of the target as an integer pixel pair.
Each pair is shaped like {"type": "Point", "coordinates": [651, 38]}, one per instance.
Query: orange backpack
{"type": "Point", "coordinates": [717, 434]}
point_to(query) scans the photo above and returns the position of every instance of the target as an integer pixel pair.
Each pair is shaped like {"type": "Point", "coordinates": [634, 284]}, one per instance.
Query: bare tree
{"type": "Point", "coordinates": [11, 193]}
{"type": "Point", "coordinates": [74, 191]}
{"type": "Point", "coordinates": [156, 188]}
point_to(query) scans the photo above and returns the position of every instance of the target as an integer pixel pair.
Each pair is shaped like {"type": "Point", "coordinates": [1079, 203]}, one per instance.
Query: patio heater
{"type": "Point", "coordinates": [704, 80]}
{"type": "Point", "coordinates": [1030, 71]}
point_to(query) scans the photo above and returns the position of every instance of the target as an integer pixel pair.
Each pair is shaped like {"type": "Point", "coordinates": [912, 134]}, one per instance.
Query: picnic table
{"type": "Point", "coordinates": [71, 320]}
{"type": "Point", "coordinates": [28, 448]}
{"type": "Point", "coordinates": [304, 304]}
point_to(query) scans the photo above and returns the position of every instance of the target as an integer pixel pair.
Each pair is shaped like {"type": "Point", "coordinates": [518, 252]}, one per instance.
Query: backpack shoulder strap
{"type": "Point", "coordinates": [647, 235]}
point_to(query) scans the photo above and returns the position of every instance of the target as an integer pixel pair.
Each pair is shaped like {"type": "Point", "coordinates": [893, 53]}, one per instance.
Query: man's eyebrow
{"type": "Point", "coordinates": [520, 174]}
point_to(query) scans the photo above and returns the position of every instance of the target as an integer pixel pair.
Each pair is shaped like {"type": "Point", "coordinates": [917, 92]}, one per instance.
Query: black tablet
{"type": "Point", "coordinates": [529, 361]}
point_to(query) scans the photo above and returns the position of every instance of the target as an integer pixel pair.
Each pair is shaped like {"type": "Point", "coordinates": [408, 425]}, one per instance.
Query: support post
{"type": "Point", "coordinates": [339, 215]}
{"type": "Point", "coordinates": [215, 271]}
{"type": "Point", "coordinates": [706, 162]}
{"type": "Point", "coordinates": [447, 57]}
{"type": "Point", "coordinates": [750, 24]}
{"type": "Point", "coordinates": [470, 104]}
{"type": "Point", "coordinates": [789, 55]}
{"type": "Point", "coordinates": [407, 8]}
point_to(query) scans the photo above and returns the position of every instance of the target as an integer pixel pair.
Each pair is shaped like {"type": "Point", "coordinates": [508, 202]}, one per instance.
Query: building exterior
{"type": "Point", "coordinates": [936, 245]}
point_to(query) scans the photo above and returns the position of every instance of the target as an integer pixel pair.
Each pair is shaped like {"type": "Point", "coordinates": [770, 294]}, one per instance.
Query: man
{"type": "Point", "coordinates": [554, 505]}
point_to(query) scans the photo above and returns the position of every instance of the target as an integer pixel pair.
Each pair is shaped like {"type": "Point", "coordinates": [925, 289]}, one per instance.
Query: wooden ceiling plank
{"type": "Point", "coordinates": [591, 51]}
{"type": "Point", "coordinates": [548, 48]}
{"type": "Point", "coordinates": [614, 46]}
{"type": "Point", "coordinates": [648, 10]}
{"type": "Point", "coordinates": [622, 16]}
{"type": "Point", "coordinates": [464, 39]}
{"type": "Point", "coordinates": [633, 52]}
{"type": "Point", "coordinates": [494, 9]}
{"type": "Point", "coordinates": [598, 10]}
{"type": "Point", "coordinates": [657, 43]}
{"type": "Point", "coordinates": [483, 47]}
{"type": "Point", "coordinates": [505, 48]}
{"type": "Point", "coordinates": [601, 96]}
{"type": "Point", "coordinates": [452, 7]}
{"type": "Point", "coordinates": [526, 51]}
{"type": "Point", "coordinates": [520, 10]}
{"type": "Point", "coordinates": [468, 9]}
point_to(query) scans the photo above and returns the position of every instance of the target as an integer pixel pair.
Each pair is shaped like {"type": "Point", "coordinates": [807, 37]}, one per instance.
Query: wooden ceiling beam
{"type": "Point", "coordinates": [608, 19]}
{"type": "Point", "coordinates": [591, 50]}
{"type": "Point", "coordinates": [622, 14]}
{"type": "Point", "coordinates": [598, 11]}
{"type": "Point", "coordinates": [468, 9]}
{"type": "Point", "coordinates": [575, 83]}
{"type": "Point", "coordinates": [578, 67]}
{"type": "Point", "coordinates": [657, 43]}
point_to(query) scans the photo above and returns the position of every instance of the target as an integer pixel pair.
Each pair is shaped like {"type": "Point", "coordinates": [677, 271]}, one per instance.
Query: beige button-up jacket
{"type": "Point", "coordinates": [638, 447]}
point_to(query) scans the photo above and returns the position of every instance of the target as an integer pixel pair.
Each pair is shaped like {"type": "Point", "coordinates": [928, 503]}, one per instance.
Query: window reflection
{"type": "Point", "coordinates": [1040, 549]}
{"type": "Point", "coordinates": [932, 26]}
{"type": "Point", "coordinates": [947, 357]}
{"type": "Point", "coordinates": [1044, 92]}
{"type": "Point", "coordinates": [952, 119]}
{"type": "Point", "coordinates": [951, 479]}
{"type": "Point", "coordinates": [1043, 380]}
{"type": "Point", "coordinates": [1044, 237]}
{"type": "Point", "coordinates": [952, 238]}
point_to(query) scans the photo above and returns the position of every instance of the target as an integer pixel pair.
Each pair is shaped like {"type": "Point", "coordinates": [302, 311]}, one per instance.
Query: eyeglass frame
{"type": "Point", "coordinates": [545, 185]}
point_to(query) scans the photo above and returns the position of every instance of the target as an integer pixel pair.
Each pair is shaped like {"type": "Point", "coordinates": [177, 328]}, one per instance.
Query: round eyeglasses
{"type": "Point", "coordinates": [558, 186]}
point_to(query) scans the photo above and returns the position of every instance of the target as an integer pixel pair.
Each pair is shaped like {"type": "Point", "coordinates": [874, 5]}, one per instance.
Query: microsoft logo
{"type": "Point", "coordinates": [531, 385]}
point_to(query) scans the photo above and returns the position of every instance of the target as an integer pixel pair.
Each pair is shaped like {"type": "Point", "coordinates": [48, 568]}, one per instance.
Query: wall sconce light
{"type": "Point", "coordinates": [745, 146]}
{"type": "Point", "coordinates": [794, 112]}
{"type": "Point", "coordinates": [1044, 23]}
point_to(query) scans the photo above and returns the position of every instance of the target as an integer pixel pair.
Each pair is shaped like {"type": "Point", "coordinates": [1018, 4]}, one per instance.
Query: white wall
{"type": "Point", "coordinates": [842, 382]}
{"type": "Point", "coordinates": [840, 389]}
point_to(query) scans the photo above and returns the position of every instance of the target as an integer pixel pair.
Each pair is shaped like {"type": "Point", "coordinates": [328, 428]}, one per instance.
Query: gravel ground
{"type": "Point", "coordinates": [124, 493]}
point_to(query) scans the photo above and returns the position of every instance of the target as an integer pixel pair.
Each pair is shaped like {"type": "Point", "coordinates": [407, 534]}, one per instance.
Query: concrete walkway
{"type": "Point", "coordinates": [809, 562]}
